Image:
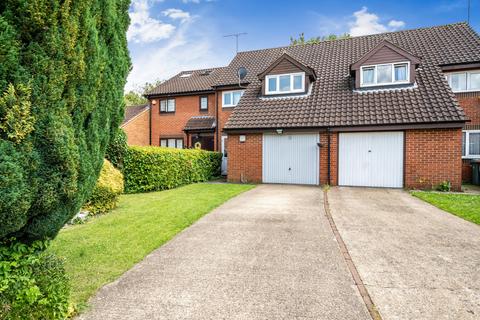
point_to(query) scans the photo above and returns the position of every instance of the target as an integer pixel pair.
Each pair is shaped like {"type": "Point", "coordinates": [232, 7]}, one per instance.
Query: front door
{"type": "Point", "coordinates": [224, 155]}
{"type": "Point", "coordinates": [203, 141]}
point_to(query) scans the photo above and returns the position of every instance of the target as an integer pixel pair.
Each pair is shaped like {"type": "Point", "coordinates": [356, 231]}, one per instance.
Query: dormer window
{"type": "Point", "coordinates": [285, 83]}
{"type": "Point", "coordinates": [385, 74]}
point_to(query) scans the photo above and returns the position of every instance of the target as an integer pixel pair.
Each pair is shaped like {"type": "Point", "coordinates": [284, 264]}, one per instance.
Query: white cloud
{"type": "Point", "coordinates": [177, 14]}
{"type": "Point", "coordinates": [143, 28]}
{"type": "Point", "coordinates": [191, 1]}
{"type": "Point", "coordinates": [369, 23]}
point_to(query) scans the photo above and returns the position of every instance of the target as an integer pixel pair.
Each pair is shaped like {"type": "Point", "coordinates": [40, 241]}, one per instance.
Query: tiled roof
{"type": "Point", "coordinates": [132, 111]}
{"type": "Point", "coordinates": [332, 102]}
{"type": "Point", "coordinates": [188, 81]}
{"type": "Point", "coordinates": [200, 123]}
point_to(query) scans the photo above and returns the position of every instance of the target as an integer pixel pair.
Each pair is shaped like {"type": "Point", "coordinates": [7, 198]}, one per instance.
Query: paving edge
{"type": "Point", "coordinates": [351, 266]}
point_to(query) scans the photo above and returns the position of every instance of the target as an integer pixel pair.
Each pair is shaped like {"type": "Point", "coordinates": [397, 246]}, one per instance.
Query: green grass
{"type": "Point", "coordinates": [101, 250]}
{"type": "Point", "coordinates": [465, 206]}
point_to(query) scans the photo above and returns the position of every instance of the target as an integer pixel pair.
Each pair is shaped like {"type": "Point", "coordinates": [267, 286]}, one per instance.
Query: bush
{"type": "Point", "coordinates": [105, 194]}
{"type": "Point", "coordinates": [117, 149]}
{"type": "Point", "coordinates": [33, 283]}
{"type": "Point", "coordinates": [444, 186]}
{"type": "Point", "coordinates": [63, 67]}
{"type": "Point", "coordinates": [157, 168]}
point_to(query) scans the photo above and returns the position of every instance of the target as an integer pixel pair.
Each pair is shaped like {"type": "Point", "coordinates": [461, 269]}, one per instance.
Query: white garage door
{"type": "Point", "coordinates": [290, 158]}
{"type": "Point", "coordinates": [371, 159]}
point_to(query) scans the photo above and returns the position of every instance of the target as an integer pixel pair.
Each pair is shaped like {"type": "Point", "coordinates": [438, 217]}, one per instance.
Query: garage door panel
{"type": "Point", "coordinates": [290, 158]}
{"type": "Point", "coordinates": [373, 159]}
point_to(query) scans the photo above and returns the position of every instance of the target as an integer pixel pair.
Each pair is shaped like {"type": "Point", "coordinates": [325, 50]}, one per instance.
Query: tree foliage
{"type": "Point", "coordinates": [63, 68]}
{"type": "Point", "coordinates": [301, 39]}
{"type": "Point", "coordinates": [136, 97]}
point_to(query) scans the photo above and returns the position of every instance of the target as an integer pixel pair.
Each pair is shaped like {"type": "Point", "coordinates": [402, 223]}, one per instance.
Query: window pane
{"type": "Point", "coordinates": [171, 105]}
{"type": "Point", "coordinates": [227, 98]}
{"type": "Point", "coordinates": [368, 75]}
{"type": "Point", "coordinates": [401, 72]}
{"type": "Point", "coordinates": [236, 97]}
{"type": "Point", "coordinates": [384, 73]}
{"type": "Point", "coordinates": [272, 84]}
{"type": "Point", "coordinates": [163, 105]}
{"type": "Point", "coordinates": [163, 142]}
{"type": "Point", "coordinates": [285, 83]}
{"type": "Point", "coordinates": [297, 82]}
{"type": "Point", "coordinates": [180, 143]}
{"type": "Point", "coordinates": [464, 135]}
{"type": "Point", "coordinates": [458, 81]}
{"type": "Point", "coordinates": [474, 144]}
{"type": "Point", "coordinates": [203, 103]}
{"type": "Point", "coordinates": [474, 81]}
{"type": "Point", "coordinates": [171, 143]}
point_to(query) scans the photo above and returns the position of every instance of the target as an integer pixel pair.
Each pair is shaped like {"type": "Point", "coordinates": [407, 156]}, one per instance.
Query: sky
{"type": "Point", "coordinates": [168, 36]}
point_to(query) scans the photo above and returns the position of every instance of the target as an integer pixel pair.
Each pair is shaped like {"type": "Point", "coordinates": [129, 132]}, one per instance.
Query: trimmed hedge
{"type": "Point", "coordinates": [157, 168]}
{"type": "Point", "coordinates": [105, 194]}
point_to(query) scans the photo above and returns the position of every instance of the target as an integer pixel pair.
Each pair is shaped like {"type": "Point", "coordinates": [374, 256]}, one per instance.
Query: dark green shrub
{"type": "Point", "coordinates": [33, 283]}
{"type": "Point", "coordinates": [156, 168]}
{"type": "Point", "coordinates": [105, 194]}
{"type": "Point", "coordinates": [117, 149]}
{"type": "Point", "coordinates": [444, 186]}
{"type": "Point", "coordinates": [63, 67]}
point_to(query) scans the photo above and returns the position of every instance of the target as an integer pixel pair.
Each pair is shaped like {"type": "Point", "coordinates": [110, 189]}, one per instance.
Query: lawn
{"type": "Point", "coordinates": [100, 250]}
{"type": "Point", "coordinates": [465, 206]}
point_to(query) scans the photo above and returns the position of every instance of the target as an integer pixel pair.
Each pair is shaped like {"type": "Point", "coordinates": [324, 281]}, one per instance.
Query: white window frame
{"type": "Point", "coordinates": [166, 105]}
{"type": "Point", "coordinates": [467, 145]}
{"type": "Point", "coordinates": [231, 105]}
{"type": "Point", "coordinates": [374, 66]}
{"type": "Point", "coordinates": [277, 79]}
{"type": "Point", "coordinates": [167, 140]}
{"type": "Point", "coordinates": [206, 106]}
{"type": "Point", "coordinates": [468, 73]}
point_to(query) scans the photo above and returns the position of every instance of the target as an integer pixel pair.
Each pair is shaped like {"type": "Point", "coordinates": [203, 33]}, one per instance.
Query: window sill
{"type": "Point", "coordinates": [466, 91]}
{"type": "Point", "coordinates": [228, 107]}
{"type": "Point", "coordinates": [167, 112]}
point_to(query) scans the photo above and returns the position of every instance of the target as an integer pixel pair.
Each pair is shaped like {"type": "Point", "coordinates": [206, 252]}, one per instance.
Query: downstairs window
{"type": "Point", "coordinates": [471, 144]}
{"type": "Point", "coordinates": [172, 143]}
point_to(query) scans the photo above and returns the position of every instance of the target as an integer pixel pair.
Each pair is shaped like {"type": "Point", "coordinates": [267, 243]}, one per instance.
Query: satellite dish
{"type": "Point", "coordinates": [242, 73]}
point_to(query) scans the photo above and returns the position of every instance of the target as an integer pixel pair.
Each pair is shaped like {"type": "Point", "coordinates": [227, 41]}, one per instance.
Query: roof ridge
{"type": "Point", "coordinates": [363, 36]}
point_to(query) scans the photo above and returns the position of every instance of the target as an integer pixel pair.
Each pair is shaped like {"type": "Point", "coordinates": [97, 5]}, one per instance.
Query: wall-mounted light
{"type": "Point", "coordinates": [279, 131]}
{"type": "Point", "coordinates": [242, 138]}
{"type": "Point", "coordinates": [154, 102]}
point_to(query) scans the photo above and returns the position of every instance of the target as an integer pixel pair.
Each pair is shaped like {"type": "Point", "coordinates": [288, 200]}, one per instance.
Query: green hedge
{"type": "Point", "coordinates": [105, 194]}
{"type": "Point", "coordinates": [157, 168]}
{"type": "Point", "coordinates": [33, 283]}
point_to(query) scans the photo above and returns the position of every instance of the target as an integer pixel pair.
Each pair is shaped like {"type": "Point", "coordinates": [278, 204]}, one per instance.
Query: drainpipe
{"type": "Point", "coordinates": [328, 156]}
{"type": "Point", "coordinates": [150, 124]}
{"type": "Point", "coordinates": [217, 127]}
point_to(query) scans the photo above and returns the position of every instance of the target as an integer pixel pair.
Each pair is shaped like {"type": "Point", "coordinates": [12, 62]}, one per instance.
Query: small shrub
{"type": "Point", "coordinates": [157, 168]}
{"type": "Point", "coordinates": [105, 194]}
{"type": "Point", "coordinates": [445, 186]}
{"type": "Point", "coordinates": [117, 149]}
{"type": "Point", "coordinates": [33, 283]}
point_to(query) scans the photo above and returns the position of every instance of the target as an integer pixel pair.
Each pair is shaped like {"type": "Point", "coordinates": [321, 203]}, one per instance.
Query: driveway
{"type": "Point", "coordinates": [417, 261]}
{"type": "Point", "coordinates": [266, 254]}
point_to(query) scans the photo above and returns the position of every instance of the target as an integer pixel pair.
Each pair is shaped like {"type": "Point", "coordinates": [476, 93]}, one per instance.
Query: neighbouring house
{"type": "Point", "coordinates": [136, 124]}
{"type": "Point", "coordinates": [384, 110]}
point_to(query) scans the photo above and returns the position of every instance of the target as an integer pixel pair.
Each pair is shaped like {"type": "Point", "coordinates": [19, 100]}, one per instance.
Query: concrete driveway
{"type": "Point", "coordinates": [417, 261]}
{"type": "Point", "coordinates": [266, 254]}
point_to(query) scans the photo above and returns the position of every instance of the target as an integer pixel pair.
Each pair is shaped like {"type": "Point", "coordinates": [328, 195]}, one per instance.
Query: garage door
{"type": "Point", "coordinates": [371, 159]}
{"type": "Point", "coordinates": [290, 158]}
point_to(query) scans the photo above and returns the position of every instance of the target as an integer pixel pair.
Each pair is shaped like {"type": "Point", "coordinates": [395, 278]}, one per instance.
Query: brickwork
{"type": "Point", "coordinates": [470, 102]}
{"type": "Point", "coordinates": [171, 125]}
{"type": "Point", "coordinates": [137, 130]}
{"type": "Point", "coordinates": [433, 156]}
{"type": "Point", "coordinates": [333, 158]}
{"type": "Point", "coordinates": [245, 158]}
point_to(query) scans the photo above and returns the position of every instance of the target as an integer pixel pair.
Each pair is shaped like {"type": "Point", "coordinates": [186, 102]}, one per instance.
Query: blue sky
{"type": "Point", "coordinates": [167, 36]}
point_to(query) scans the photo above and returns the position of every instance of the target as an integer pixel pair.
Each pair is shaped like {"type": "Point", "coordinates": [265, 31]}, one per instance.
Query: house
{"type": "Point", "coordinates": [136, 124]}
{"type": "Point", "coordinates": [384, 110]}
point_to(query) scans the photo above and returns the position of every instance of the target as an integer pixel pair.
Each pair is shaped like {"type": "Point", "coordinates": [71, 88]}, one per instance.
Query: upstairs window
{"type": "Point", "coordinates": [471, 144]}
{"type": "Point", "coordinates": [285, 83]}
{"type": "Point", "coordinates": [231, 98]}
{"type": "Point", "coordinates": [464, 81]}
{"type": "Point", "coordinates": [167, 105]}
{"type": "Point", "coordinates": [204, 103]}
{"type": "Point", "coordinates": [385, 74]}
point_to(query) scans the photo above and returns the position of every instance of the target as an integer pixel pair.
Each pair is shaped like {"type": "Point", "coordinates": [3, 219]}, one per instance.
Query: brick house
{"type": "Point", "coordinates": [399, 109]}
{"type": "Point", "coordinates": [136, 124]}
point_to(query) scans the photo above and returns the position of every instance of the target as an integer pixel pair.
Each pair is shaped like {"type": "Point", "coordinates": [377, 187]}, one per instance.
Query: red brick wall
{"type": "Point", "coordinates": [245, 158]}
{"type": "Point", "coordinates": [433, 156]}
{"type": "Point", "coordinates": [137, 130]}
{"type": "Point", "coordinates": [470, 102]}
{"type": "Point", "coordinates": [170, 125]}
{"type": "Point", "coordinates": [333, 158]}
